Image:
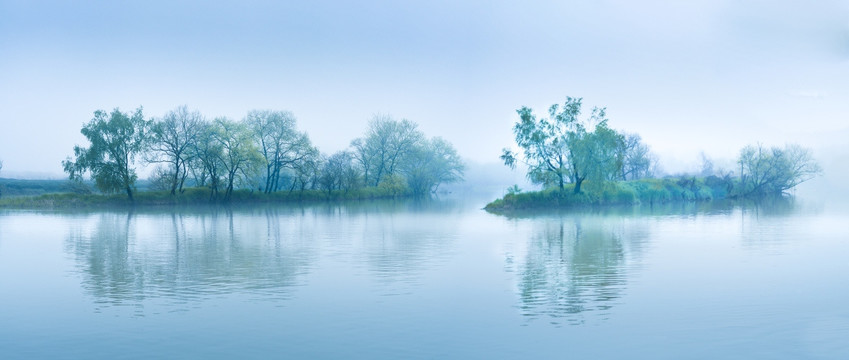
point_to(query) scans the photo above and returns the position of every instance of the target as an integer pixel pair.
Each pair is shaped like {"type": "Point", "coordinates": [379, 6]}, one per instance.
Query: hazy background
{"type": "Point", "coordinates": [689, 76]}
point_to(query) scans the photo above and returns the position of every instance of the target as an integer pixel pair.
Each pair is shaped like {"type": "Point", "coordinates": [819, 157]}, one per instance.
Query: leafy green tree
{"type": "Point", "coordinates": [116, 139]}
{"type": "Point", "coordinates": [774, 171]}
{"type": "Point", "coordinates": [174, 135]}
{"type": "Point", "coordinates": [431, 164]}
{"type": "Point", "coordinates": [597, 156]}
{"type": "Point", "coordinates": [559, 148]}
{"type": "Point", "coordinates": [544, 143]}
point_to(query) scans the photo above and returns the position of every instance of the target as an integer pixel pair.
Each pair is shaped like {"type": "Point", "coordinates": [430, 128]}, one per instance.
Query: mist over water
{"type": "Point", "coordinates": [423, 279]}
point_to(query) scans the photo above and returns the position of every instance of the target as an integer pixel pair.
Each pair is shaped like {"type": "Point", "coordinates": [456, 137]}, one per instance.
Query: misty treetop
{"type": "Point", "coordinates": [263, 152]}
{"type": "Point", "coordinates": [395, 152]}
{"type": "Point", "coordinates": [775, 170]}
{"type": "Point", "coordinates": [116, 139]}
{"type": "Point", "coordinates": [565, 149]}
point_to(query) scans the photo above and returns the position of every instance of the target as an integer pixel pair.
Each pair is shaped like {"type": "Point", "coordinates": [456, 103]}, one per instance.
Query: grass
{"type": "Point", "coordinates": [644, 191]}
{"type": "Point", "coordinates": [191, 196]}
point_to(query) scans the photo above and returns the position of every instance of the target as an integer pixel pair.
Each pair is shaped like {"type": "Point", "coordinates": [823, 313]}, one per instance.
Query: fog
{"type": "Point", "coordinates": [700, 76]}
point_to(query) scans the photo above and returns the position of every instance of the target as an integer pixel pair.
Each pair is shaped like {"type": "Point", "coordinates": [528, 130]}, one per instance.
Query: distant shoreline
{"type": "Point", "coordinates": [622, 193]}
{"type": "Point", "coordinates": [191, 196]}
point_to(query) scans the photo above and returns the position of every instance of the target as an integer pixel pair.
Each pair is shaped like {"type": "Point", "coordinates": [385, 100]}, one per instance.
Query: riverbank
{"type": "Point", "coordinates": [644, 191]}
{"type": "Point", "coordinates": [191, 196]}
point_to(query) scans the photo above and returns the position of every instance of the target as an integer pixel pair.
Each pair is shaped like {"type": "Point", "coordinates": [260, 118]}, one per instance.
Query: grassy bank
{"type": "Point", "coordinates": [191, 196]}
{"type": "Point", "coordinates": [644, 191]}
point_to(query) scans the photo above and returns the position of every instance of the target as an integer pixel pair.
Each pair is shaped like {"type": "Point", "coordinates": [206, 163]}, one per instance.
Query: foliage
{"type": "Point", "coordinates": [562, 148]}
{"type": "Point", "coordinates": [385, 146]}
{"type": "Point", "coordinates": [116, 139]}
{"type": "Point", "coordinates": [514, 189]}
{"type": "Point", "coordinates": [396, 155]}
{"type": "Point", "coordinates": [643, 191]}
{"type": "Point", "coordinates": [281, 145]}
{"type": "Point", "coordinates": [339, 173]}
{"type": "Point", "coordinates": [430, 164]}
{"type": "Point", "coordinates": [237, 154]}
{"type": "Point", "coordinates": [263, 152]}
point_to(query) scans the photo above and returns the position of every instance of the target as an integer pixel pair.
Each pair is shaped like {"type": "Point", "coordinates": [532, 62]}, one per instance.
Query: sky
{"type": "Point", "coordinates": [688, 76]}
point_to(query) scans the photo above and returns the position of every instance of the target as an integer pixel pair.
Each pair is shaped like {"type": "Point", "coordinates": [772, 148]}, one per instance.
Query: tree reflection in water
{"type": "Point", "coordinates": [577, 266]}
{"type": "Point", "coordinates": [126, 259]}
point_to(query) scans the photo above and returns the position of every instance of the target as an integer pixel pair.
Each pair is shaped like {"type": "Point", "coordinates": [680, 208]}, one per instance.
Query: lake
{"type": "Point", "coordinates": [426, 279]}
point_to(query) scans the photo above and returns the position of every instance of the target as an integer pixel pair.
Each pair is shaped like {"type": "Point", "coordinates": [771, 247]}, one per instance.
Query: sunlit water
{"type": "Point", "coordinates": [439, 279]}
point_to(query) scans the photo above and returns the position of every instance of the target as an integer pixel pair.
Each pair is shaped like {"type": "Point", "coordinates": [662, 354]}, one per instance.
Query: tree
{"type": "Point", "coordinates": [238, 156]}
{"type": "Point", "coordinates": [207, 153]}
{"type": "Point", "coordinates": [559, 149]}
{"type": "Point", "coordinates": [775, 170]}
{"type": "Point", "coordinates": [638, 159]}
{"type": "Point", "coordinates": [116, 139]}
{"type": "Point", "coordinates": [173, 137]}
{"type": "Point", "coordinates": [339, 173]}
{"type": "Point", "coordinates": [544, 143]}
{"type": "Point", "coordinates": [597, 155]}
{"type": "Point", "coordinates": [280, 144]}
{"type": "Point", "coordinates": [431, 164]}
{"type": "Point", "coordinates": [706, 167]}
{"type": "Point", "coordinates": [385, 146]}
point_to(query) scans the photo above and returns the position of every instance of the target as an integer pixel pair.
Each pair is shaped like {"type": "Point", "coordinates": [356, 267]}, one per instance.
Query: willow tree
{"type": "Point", "coordinates": [116, 139]}
{"type": "Point", "coordinates": [563, 148]}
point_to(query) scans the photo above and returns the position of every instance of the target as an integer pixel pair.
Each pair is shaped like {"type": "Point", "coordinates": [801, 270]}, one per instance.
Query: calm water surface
{"type": "Point", "coordinates": [439, 279]}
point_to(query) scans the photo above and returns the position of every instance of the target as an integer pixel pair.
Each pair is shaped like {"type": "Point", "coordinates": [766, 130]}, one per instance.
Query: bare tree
{"type": "Point", "coordinates": [384, 147]}
{"type": "Point", "coordinates": [775, 170]}
{"type": "Point", "coordinates": [637, 159]}
{"type": "Point", "coordinates": [174, 135]}
{"type": "Point", "coordinates": [280, 144]}
{"type": "Point", "coordinates": [706, 167]}
{"type": "Point", "coordinates": [206, 159]}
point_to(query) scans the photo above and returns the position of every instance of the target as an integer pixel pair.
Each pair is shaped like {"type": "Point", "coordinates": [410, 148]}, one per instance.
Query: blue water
{"type": "Point", "coordinates": [439, 279]}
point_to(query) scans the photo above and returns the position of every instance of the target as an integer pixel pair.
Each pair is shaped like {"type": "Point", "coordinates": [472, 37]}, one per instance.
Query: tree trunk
{"type": "Point", "coordinates": [130, 194]}
{"type": "Point", "coordinates": [578, 181]}
{"type": "Point", "coordinates": [176, 179]}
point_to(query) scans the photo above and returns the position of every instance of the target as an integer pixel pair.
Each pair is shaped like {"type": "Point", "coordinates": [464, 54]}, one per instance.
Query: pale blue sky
{"type": "Point", "coordinates": [688, 76]}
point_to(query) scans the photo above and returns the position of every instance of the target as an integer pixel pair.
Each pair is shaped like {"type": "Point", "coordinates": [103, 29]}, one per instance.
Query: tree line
{"type": "Point", "coordinates": [263, 152]}
{"type": "Point", "coordinates": [564, 148]}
